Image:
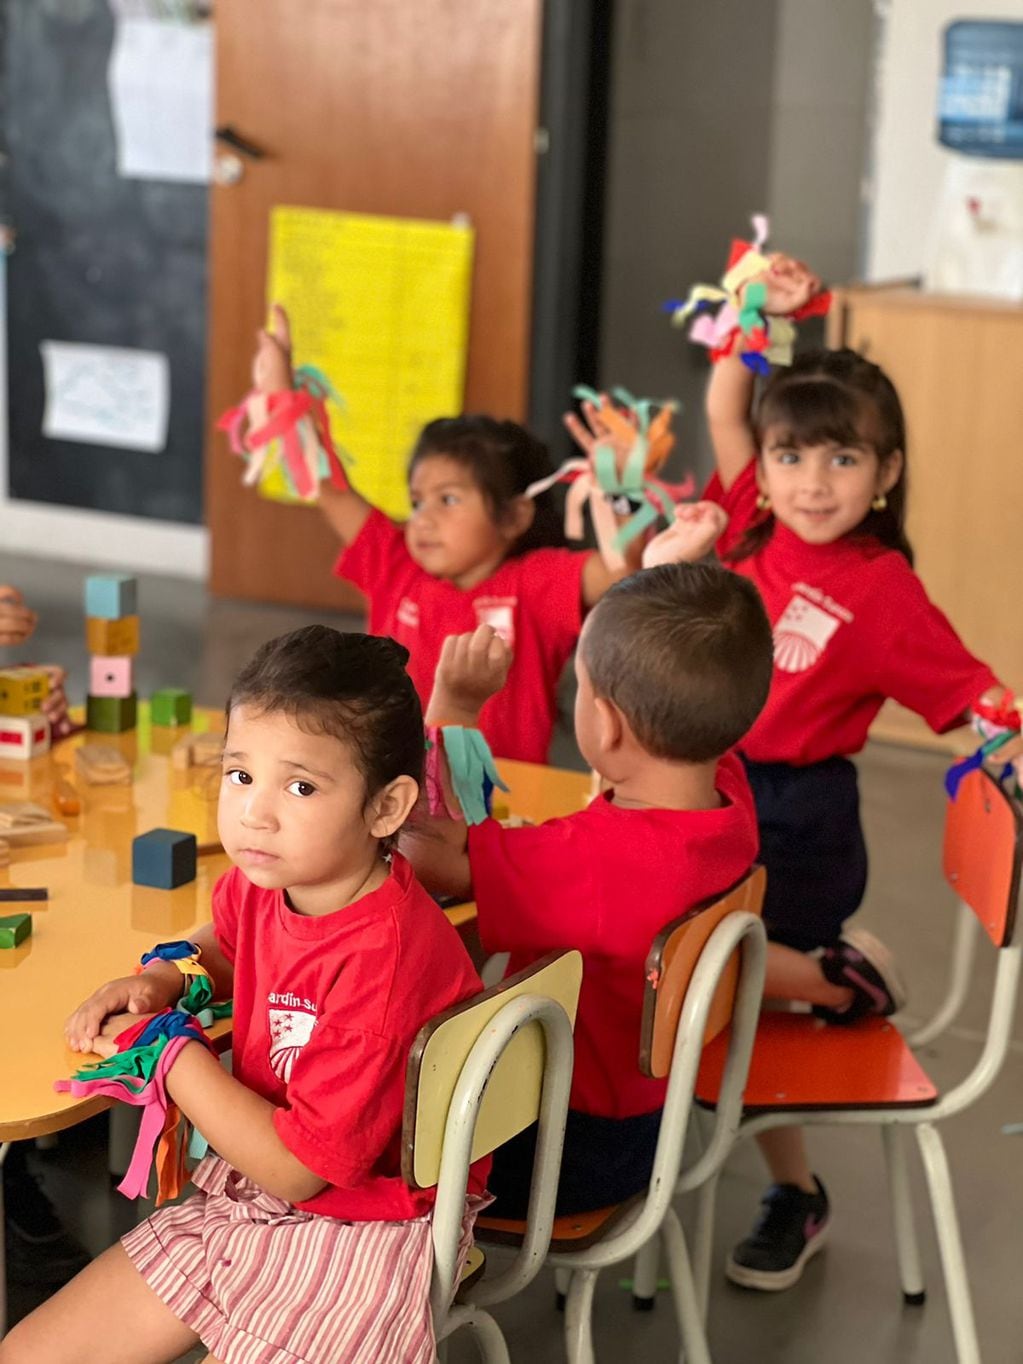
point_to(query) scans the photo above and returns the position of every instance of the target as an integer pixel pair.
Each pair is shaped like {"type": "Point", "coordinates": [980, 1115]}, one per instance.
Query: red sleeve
{"type": "Point", "coordinates": [225, 913]}
{"type": "Point", "coordinates": [518, 878]}
{"type": "Point", "coordinates": [922, 662]}
{"type": "Point", "coordinates": [344, 1102]}
{"type": "Point", "coordinates": [740, 502]}
{"type": "Point", "coordinates": [375, 551]}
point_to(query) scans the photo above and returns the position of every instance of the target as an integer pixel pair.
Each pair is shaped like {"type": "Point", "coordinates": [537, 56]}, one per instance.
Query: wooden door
{"type": "Point", "coordinates": [394, 107]}
{"type": "Point", "coordinates": [956, 363]}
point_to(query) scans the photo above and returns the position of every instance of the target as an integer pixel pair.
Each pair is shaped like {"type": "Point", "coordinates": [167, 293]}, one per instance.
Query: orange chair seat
{"type": "Point", "coordinates": [574, 1231]}
{"type": "Point", "coordinates": [801, 1062]}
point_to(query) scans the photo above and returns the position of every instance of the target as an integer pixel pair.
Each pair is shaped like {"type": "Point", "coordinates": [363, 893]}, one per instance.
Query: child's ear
{"type": "Point", "coordinates": [610, 725]}
{"type": "Point", "coordinates": [518, 518]}
{"type": "Point", "coordinates": [890, 471]}
{"type": "Point", "coordinates": [391, 807]}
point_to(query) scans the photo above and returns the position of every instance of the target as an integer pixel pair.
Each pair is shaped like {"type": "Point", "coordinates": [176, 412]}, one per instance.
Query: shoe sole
{"type": "Point", "coordinates": [883, 962]}
{"type": "Point", "coordinates": [767, 1281]}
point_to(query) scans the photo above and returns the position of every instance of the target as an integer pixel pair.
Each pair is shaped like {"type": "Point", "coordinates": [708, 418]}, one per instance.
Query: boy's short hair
{"type": "Point", "coordinates": [348, 685]}
{"type": "Point", "coordinates": [685, 652]}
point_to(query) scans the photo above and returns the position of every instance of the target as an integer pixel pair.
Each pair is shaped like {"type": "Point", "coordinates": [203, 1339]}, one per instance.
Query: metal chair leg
{"type": "Point", "coordinates": [579, 1317]}
{"type": "Point", "coordinates": [703, 1242]}
{"type": "Point", "coordinates": [950, 1244]}
{"type": "Point", "coordinates": [644, 1276]}
{"type": "Point", "coordinates": [490, 1339]}
{"type": "Point", "coordinates": [906, 1249]}
{"type": "Point", "coordinates": [687, 1302]}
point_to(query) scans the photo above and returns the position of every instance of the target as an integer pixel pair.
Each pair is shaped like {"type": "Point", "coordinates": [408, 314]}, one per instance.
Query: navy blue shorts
{"type": "Point", "coordinates": [606, 1160]}
{"type": "Point", "coordinates": [811, 842]}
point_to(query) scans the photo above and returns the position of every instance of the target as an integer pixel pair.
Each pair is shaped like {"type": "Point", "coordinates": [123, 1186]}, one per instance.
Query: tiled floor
{"type": "Point", "coordinates": [848, 1307]}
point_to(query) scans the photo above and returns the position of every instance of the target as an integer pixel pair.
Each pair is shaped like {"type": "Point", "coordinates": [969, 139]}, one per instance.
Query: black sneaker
{"type": "Point", "coordinates": [790, 1229]}
{"type": "Point", "coordinates": [40, 1252]}
{"type": "Point", "coordinates": [863, 964]}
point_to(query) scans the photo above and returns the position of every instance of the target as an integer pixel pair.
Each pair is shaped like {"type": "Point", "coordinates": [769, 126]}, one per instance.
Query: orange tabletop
{"type": "Point", "coordinates": [96, 923]}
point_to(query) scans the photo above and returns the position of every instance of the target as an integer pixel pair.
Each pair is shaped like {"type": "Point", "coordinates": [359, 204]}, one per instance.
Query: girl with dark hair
{"type": "Point", "coordinates": [302, 1241]}
{"type": "Point", "coordinates": [813, 479]}
{"type": "Point", "coordinates": [475, 550]}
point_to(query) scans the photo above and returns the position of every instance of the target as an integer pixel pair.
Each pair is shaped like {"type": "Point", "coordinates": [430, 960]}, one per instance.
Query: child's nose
{"type": "Point", "coordinates": [257, 810]}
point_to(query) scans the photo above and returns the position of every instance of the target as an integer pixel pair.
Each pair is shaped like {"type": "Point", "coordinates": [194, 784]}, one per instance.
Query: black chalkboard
{"type": "Point", "coordinates": [97, 259]}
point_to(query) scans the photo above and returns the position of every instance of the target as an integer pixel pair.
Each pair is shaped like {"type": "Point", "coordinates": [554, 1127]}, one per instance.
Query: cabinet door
{"type": "Point", "coordinates": [958, 368]}
{"type": "Point", "coordinates": [419, 110]}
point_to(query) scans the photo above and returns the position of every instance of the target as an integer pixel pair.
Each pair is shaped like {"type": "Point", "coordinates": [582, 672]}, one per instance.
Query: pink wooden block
{"type": "Point", "coordinates": [111, 676]}
{"type": "Point", "coordinates": [23, 736]}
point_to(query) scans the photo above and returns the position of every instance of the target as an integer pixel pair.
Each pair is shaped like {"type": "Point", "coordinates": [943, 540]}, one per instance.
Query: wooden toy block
{"type": "Point", "coordinates": [110, 714]}
{"type": "Point", "coordinates": [23, 893]}
{"type": "Point", "coordinates": [170, 706]}
{"type": "Point", "coordinates": [111, 675]}
{"type": "Point", "coordinates": [24, 736]}
{"type": "Point", "coordinates": [23, 824]}
{"type": "Point", "coordinates": [102, 765]}
{"type": "Point", "coordinates": [5, 853]}
{"type": "Point", "coordinates": [14, 929]}
{"type": "Point", "coordinates": [109, 596]}
{"type": "Point", "coordinates": [22, 690]}
{"type": "Point", "coordinates": [163, 858]}
{"type": "Point", "coordinates": [112, 637]}
{"type": "Point", "coordinates": [197, 750]}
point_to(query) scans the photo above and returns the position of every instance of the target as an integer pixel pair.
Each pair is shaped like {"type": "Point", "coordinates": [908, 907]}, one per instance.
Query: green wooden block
{"type": "Point", "coordinates": [14, 928]}
{"type": "Point", "coordinates": [110, 714]}
{"type": "Point", "coordinates": [170, 706]}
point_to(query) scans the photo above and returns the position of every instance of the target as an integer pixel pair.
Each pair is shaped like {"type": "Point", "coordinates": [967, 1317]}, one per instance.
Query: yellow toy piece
{"type": "Point", "coordinates": [112, 637]}
{"type": "Point", "coordinates": [22, 690]}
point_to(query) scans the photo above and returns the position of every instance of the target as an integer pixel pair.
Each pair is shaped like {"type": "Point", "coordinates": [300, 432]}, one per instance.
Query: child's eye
{"type": "Point", "coordinates": [238, 777]}
{"type": "Point", "coordinates": [450, 499]}
{"type": "Point", "coordinates": [787, 456]}
{"type": "Point", "coordinates": [846, 459]}
{"type": "Point", "coordinates": [301, 788]}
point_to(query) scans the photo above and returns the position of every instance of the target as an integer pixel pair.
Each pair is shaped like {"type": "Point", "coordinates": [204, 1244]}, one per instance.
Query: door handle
{"type": "Point", "coordinates": [229, 135]}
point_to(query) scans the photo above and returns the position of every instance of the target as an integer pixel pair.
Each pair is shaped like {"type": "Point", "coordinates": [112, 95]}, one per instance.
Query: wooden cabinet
{"type": "Point", "coordinates": [958, 366]}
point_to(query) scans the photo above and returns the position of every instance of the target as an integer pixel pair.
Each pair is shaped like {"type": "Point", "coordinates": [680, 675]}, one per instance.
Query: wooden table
{"type": "Point", "coordinates": [96, 923]}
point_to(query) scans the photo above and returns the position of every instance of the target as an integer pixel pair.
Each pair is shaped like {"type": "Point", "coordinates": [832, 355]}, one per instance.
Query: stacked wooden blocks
{"type": "Point", "coordinates": [24, 729]}
{"type": "Point", "coordinates": [112, 638]}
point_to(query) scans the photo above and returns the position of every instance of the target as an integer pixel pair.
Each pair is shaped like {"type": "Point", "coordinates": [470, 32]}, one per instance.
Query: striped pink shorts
{"type": "Point", "coordinates": [261, 1283]}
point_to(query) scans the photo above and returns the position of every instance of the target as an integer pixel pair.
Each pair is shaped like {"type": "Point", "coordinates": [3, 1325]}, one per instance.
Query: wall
{"type": "Point", "coordinates": [718, 111]}
{"type": "Point", "coordinates": [908, 160]}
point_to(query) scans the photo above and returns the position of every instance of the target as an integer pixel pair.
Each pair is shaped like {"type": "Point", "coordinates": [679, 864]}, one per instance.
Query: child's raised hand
{"type": "Point", "coordinates": [16, 620]}
{"type": "Point", "coordinates": [790, 284]}
{"type": "Point", "coordinates": [154, 989]}
{"type": "Point", "coordinates": [594, 428]}
{"type": "Point", "coordinates": [691, 535]}
{"type": "Point", "coordinates": [471, 669]}
{"type": "Point", "coordinates": [271, 367]}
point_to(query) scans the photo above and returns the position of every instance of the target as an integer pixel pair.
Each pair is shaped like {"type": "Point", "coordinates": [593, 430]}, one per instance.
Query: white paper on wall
{"type": "Point", "coordinates": [160, 80]}
{"type": "Point", "coordinates": [106, 395]}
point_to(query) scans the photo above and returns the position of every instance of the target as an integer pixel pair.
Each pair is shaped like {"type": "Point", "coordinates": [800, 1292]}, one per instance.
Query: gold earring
{"type": "Point", "coordinates": [880, 502]}
{"type": "Point", "coordinates": [763, 502]}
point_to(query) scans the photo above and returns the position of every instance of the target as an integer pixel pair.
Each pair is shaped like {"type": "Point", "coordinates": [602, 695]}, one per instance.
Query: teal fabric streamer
{"type": "Point", "coordinates": [472, 769]}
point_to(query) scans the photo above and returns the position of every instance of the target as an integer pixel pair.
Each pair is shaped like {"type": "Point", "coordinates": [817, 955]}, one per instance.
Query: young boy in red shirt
{"type": "Point", "coordinates": [673, 667]}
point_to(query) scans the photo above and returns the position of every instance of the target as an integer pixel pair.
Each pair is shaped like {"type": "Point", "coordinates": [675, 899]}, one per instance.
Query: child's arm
{"type": "Point", "coordinates": [159, 986]}
{"type": "Point", "coordinates": [789, 285]}
{"type": "Point", "coordinates": [692, 535]}
{"type": "Point", "coordinates": [471, 669]}
{"type": "Point", "coordinates": [343, 508]}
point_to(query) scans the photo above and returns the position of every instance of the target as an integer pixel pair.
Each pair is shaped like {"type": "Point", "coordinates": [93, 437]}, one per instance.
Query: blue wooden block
{"type": "Point", "coordinates": [163, 858]}
{"type": "Point", "coordinates": [109, 596]}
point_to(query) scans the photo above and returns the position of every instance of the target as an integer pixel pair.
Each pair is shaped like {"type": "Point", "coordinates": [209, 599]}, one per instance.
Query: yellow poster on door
{"type": "Point", "coordinates": [381, 306]}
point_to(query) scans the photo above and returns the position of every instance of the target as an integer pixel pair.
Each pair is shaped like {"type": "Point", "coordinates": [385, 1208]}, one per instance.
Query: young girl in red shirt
{"type": "Point", "coordinates": [814, 485]}
{"type": "Point", "coordinates": [303, 1242]}
{"type": "Point", "coordinates": [475, 550]}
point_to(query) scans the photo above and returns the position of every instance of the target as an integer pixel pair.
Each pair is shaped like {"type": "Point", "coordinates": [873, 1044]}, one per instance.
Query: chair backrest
{"type": "Point", "coordinates": [512, 1099]}
{"type": "Point", "coordinates": [982, 852]}
{"type": "Point", "coordinates": [669, 969]}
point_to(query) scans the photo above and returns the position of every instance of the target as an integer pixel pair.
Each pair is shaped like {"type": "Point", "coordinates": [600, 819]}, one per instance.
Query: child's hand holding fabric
{"type": "Point", "coordinates": [157, 987]}
{"type": "Point", "coordinates": [472, 668]}
{"type": "Point", "coordinates": [789, 283]}
{"type": "Point", "coordinates": [692, 534]}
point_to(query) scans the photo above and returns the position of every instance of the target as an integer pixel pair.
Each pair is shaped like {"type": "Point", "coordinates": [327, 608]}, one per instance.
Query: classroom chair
{"type": "Point", "coordinates": [704, 977]}
{"type": "Point", "coordinates": [478, 1074]}
{"type": "Point", "coordinates": [804, 1071]}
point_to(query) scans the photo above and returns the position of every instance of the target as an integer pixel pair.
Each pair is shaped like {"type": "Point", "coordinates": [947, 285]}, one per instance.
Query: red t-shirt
{"type": "Point", "coordinates": [606, 881]}
{"type": "Point", "coordinates": [853, 626]}
{"type": "Point", "coordinates": [534, 602]}
{"type": "Point", "coordinates": [325, 1011]}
